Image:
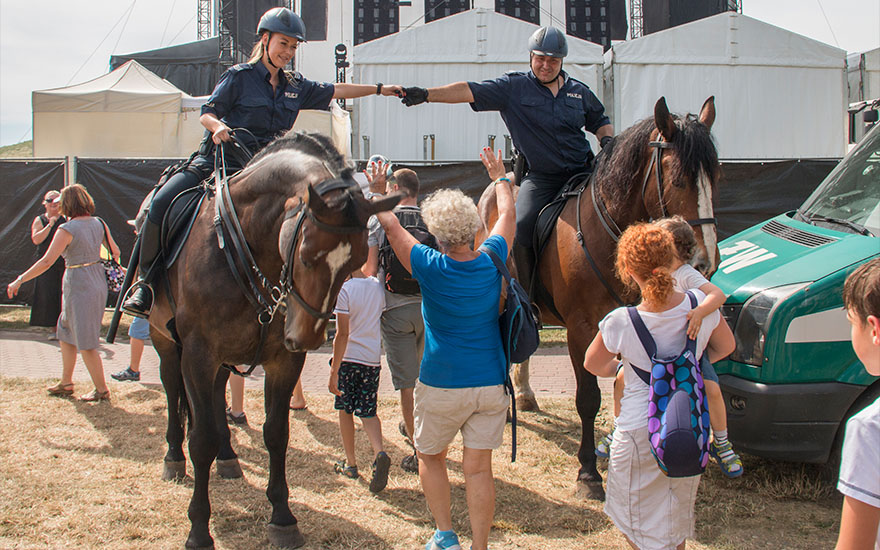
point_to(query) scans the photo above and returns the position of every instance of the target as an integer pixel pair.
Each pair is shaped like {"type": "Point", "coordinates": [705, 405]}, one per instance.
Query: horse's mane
{"type": "Point", "coordinates": [624, 161]}
{"type": "Point", "coordinates": [314, 144]}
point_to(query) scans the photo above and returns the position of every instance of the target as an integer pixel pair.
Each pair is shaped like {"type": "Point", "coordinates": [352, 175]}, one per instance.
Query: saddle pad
{"type": "Point", "coordinates": [178, 222]}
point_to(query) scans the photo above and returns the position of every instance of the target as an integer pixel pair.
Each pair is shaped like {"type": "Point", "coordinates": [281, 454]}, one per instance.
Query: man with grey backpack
{"type": "Point", "coordinates": [403, 329]}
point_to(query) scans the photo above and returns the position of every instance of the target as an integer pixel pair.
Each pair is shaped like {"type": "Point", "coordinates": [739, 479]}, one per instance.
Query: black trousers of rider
{"type": "Point", "coordinates": [535, 192]}
{"type": "Point", "coordinates": [199, 169]}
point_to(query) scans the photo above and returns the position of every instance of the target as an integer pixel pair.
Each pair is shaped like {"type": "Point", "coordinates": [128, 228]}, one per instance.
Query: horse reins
{"type": "Point", "coordinates": [247, 274]}
{"type": "Point", "coordinates": [607, 220]}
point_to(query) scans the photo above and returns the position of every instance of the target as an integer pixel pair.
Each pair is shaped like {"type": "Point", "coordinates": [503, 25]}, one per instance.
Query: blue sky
{"type": "Point", "coordinates": [53, 43]}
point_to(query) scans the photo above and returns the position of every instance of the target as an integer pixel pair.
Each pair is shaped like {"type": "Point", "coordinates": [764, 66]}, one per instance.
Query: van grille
{"type": "Point", "coordinates": [797, 236]}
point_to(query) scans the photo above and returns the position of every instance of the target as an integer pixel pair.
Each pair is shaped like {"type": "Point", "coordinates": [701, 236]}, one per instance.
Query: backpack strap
{"type": "Point", "coordinates": [691, 345]}
{"type": "Point", "coordinates": [648, 341]}
{"type": "Point", "coordinates": [508, 383]}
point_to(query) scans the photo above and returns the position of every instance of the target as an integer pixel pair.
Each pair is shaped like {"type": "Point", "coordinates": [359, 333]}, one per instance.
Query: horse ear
{"type": "Point", "coordinates": [316, 203]}
{"type": "Point", "coordinates": [663, 120]}
{"type": "Point", "coordinates": [386, 203]}
{"type": "Point", "coordinates": [707, 112]}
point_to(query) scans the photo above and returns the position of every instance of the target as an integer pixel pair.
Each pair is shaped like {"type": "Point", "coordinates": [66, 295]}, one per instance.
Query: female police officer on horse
{"type": "Point", "coordinates": [257, 96]}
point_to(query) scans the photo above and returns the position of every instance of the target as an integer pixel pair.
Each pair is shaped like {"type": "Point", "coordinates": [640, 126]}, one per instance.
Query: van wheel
{"type": "Point", "coordinates": [831, 470]}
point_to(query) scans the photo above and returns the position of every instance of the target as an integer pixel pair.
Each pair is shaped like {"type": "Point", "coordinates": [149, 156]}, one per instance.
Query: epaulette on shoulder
{"type": "Point", "coordinates": [242, 67]}
{"type": "Point", "coordinates": [515, 73]}
{"type": "Point", "coordinates": [294, 77]}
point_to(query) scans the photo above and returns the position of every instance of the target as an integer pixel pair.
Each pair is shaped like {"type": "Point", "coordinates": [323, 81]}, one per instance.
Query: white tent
{"type": "Point", "coordinates": [778, 94]}
{"type": "Point", "coordinates": [863, 71]}
{"type": "Point", "coordinates": [129, 112]}
{"type": "Point", "coordinates": [474, 45]}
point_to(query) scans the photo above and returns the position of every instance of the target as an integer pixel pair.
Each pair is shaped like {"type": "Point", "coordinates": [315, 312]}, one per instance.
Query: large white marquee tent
{"type": "Point", "coordinates": [474, 45]}
{"type": "Point", "coordinates": [863, 71]}
{"type": "Point", "coordinates": [779, 95]}
{"type": "Point", "coordinates": [129, 112]}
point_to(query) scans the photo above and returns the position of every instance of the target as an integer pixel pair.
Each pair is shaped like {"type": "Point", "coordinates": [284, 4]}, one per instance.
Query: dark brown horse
{"type": "Point", "coordinates": [662, 166]}
{"type": "Point", "coordinates": [302, 220]}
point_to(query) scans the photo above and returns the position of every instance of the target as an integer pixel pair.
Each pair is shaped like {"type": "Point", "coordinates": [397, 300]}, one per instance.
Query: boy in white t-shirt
{"type": "Point", "coordinates": [687, 278]}
{"type": "Point", "coordinates": [354, 371]}
{"type": "Point", "coordinates": [859, 479]}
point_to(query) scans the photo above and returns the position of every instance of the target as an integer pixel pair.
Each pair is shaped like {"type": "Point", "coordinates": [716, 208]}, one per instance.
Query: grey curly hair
{"type": "Point", "coordinates": [451, 216]}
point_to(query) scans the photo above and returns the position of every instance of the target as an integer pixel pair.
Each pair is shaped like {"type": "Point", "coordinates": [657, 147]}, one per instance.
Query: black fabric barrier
{"type": "Point", "coordinates": [23, 184]}
{"type": "Point", "coordinates": [748, 193]}
{"type": "Point", "coordinates": [118, 187]}
{"type": "Point", "coordinates": [751, 192]}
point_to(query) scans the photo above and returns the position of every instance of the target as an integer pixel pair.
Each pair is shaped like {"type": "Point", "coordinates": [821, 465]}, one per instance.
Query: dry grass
{"type": "Point", "coordinates": [79, 475]}
{"type": "Point", "coordinates": [17, 317]}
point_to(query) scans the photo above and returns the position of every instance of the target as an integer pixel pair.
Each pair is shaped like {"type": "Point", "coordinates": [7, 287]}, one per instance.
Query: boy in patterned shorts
{"type": "Point", "coordinates": [354, 371]}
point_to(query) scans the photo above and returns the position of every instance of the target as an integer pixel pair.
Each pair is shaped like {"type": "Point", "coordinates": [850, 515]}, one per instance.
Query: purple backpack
{"type": "Point", "coordinates": [678, 414]}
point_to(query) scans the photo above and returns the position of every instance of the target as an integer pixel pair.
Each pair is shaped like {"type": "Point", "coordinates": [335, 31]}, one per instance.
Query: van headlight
{"type": "Point", "coordinates": [751, 325]}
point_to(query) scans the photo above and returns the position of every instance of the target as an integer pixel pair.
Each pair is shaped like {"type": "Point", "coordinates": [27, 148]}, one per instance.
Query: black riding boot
{"type": "Point", "coordinates": [525, 267]}
{"type": "Point", "coordinates": [141, 300]}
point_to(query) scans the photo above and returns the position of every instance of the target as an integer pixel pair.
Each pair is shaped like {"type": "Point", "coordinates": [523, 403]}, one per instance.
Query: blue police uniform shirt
{"type": "Point", "coordinates": [244, 98]}
{"type": "Point", "coordinates": [463, 346]}
{"type": "Point", "coordinates": [547, 130]}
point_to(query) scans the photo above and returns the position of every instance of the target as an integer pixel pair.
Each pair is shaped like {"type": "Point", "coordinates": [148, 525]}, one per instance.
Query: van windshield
{"type": "Point", "coordinates": [849, 198]}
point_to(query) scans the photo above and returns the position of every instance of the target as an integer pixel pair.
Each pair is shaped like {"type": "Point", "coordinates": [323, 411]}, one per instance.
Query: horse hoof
{"type": "Point", "coordinates": [174, 471]}
{"type": "Point", "coordinates": [527, 403]}
{"type": "Point", "coordinates": [285, 536]}
{"type": "Point", "coordinates": [193, 544]}
{"type": "Point", "coordinates": [229, 469]}
{"type": "Point", "coordinates": [591, 490]}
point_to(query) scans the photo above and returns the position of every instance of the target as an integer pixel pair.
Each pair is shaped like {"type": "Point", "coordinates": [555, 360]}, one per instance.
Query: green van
{"type": "Point", "coordinates": [794, 380]}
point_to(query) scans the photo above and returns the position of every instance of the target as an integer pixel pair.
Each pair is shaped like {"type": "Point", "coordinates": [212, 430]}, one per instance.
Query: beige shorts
{"type": "Point", "coordinates": [440, 413]}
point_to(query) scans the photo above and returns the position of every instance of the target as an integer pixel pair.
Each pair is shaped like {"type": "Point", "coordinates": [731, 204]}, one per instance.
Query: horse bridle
{"type": "Point", "coordinates": [656, 157]}
{"type": "Point", "coordinates": [302, 211]}
{"type": "Point", "coordinates": [611, 226]}
{"type": "Point", "coordinates": [247, 274]}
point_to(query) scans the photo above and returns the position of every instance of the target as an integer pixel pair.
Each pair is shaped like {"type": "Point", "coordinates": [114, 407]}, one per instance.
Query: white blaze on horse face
{"type": "Point", "coordinates": [336, 260]}
{"type": "Point", "coordinates": [705, 210]}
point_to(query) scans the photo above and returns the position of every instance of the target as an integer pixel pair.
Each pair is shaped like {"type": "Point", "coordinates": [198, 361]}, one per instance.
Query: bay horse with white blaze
{"type": "Point", "coordinates": [294, 224]}
{"type": "Point", "coordinates": [659, 167]}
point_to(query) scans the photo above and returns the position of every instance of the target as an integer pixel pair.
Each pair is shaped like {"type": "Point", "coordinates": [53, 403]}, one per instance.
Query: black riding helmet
{"type": "Point", "coordinates": [284, 21]}
{"type": "Point", "coordinates": [548, 41]}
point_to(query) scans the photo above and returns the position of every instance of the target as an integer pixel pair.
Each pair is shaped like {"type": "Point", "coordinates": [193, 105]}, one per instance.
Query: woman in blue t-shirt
{"type": "Point", "coordinates": [257, 96]}
{"type": "Point", "coordinates": [460, 387]}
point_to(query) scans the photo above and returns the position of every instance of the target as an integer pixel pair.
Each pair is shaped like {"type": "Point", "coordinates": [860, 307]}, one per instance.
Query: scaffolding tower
{"type": "Point", "coordinates": [203, 13]}
{"type": "Point", "coordinates": [218, 18]}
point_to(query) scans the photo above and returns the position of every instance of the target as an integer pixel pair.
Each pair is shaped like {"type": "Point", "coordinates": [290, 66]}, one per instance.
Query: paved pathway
{"type": "Point", "coordinates": [32, 355]}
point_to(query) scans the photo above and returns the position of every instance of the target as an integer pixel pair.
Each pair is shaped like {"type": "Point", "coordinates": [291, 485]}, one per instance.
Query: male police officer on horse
{"type": "Point", "coordinates": [545, 111]}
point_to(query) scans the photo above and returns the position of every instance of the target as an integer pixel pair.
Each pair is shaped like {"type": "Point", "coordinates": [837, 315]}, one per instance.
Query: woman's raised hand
{"type": "Point", "coordinates": [376, 175]}
{"type": "Point", "coordinates": [493, 163]}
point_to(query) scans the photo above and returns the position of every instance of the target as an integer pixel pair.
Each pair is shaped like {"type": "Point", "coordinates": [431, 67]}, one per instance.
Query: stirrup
{"type": "Point", "coordinates": [138, 309]}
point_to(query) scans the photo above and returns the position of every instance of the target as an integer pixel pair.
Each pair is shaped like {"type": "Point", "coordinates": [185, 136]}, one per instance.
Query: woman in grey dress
{"type": "Point", "coordinates": [84, 289]}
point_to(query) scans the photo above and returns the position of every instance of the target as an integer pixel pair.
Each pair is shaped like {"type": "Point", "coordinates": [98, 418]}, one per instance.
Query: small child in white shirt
{"type": "Point", "coordinates": [686, 278]}
{"type": "Point", "coordinates": [354, 372]}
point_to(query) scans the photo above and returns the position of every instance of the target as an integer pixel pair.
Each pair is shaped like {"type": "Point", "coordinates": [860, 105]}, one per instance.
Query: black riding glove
{"type": "Point", "coordinates": [414, 95]}
{"type": "Point", "coordinates": [605, 141]}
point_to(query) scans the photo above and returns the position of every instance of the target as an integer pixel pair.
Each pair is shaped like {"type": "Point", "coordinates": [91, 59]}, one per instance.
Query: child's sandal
{"type": "Point", "coordinates": [348, 471]}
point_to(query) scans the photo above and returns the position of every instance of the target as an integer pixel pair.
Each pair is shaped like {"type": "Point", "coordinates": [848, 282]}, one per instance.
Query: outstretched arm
{"type": "Point", "coordinates": [505, 225]}
{"type": "Point", "coordinates": [344, 90]}
{"type": "Point", "coordinates": [457, 92]}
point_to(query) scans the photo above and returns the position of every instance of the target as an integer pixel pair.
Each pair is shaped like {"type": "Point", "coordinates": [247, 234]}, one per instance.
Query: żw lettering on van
{"type": "Point", "coordinates": [744, 255]}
